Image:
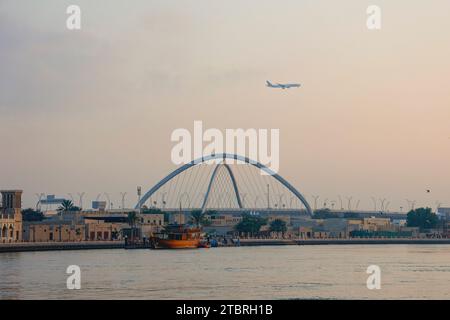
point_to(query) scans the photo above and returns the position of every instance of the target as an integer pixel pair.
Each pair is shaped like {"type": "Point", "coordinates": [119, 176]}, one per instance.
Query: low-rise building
{"type": "Point", "coordinates": [11, 216]}
{"type": "Point", "coordinates": [150, 223]}
{"type": "Point", "coordinates": [273, 217]}
{"type": "Point", "coordinates": [224, 220]}
{"type": "Point", "coordinates": [98, 229]}
{"type": "Point", "coordinates": [354, 225]}
{"type": "Point", "coordinates": [58, 231]}
{"type": "Point", "coordinates": [443, 213]}
{"type": "Point", "coordinates": [400, 223]}
{"type": "Point", "coordinates": [377, 224]}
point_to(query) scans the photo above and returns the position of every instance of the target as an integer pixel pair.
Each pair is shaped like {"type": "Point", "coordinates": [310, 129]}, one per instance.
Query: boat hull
{"type": "Point", "coordinates": [177, 244]}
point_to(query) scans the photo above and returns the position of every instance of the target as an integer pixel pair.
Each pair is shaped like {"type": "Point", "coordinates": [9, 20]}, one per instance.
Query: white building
{"type": "Point", "coordinates": [443, 213]}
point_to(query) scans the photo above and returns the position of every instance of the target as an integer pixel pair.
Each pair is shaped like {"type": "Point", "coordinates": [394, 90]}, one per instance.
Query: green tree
{"type": "Point", "coordinates": [278, 225]}
{"type": "Point", "coordinates": [32, 215]}
{"type": "Point", "coordinates": [250, 224]}
{"type": "Point", "coordinates": [324, 214]}
{"type": "Point", "coordinates": [67, 205]}
{"type": "Point", "coordinates": [422, 218]}
{"type": "Point", "coordinates": [151, 211]}
{"type": "Point", "coordinates": [132, 221]}
{"type": "Point", "coordinates": [199, 218]}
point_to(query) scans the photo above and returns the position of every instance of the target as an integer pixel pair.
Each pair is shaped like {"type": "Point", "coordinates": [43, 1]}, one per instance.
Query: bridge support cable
{"type": "Point", "coordinates": [224, 156]}
{"type": "Point", "coordinates": [233, 181]}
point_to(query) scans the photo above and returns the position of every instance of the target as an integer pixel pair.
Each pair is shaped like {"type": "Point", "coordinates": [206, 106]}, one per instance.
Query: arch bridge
{"type": "Point", "coordinates": [227, 184]}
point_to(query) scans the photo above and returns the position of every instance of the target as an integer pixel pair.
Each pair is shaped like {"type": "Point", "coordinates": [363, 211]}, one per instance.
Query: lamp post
{"type": "Point", "coordinates": [80, 197]}
{"type": "Point", "coordinates": [374, 199]}
{"type": "Point", "coordinates": [290, 201]}
{"type": "Point", "coordinates": [243, 195]}
{"type": "Point", "coordinates": [325, 202]}
{"type": "Point", "coordinates": [38, 204]}
{"type": "Point", "coordinates": [382, 201]}
{"type": "Point", "coordinates": [123, 195]}
{"type": "Point", "coordinates": [340, 202]}
{"type": "Point", "coordinates": [349, 203]}
{"type": "Point", "coordinates": [109, 200]}
{"type": "Point", "coordinates": [139, 190]}
{"type": "Point", "coordinates": [256, 201]}
{"type": "Point", "coordinates": [411, 203]}
{"type": "Point", "coordinates": [315, 201]}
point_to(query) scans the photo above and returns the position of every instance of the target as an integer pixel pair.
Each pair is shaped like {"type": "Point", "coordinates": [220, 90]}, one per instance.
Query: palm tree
{"type": "Point", "coordinates": [198, 217]}
{"type": "Point", "coordinates": [66, 205]}
{"type": "Point", "coordinates": [132, 220]}
{"type": "Point", "coordinates": [278, 225]}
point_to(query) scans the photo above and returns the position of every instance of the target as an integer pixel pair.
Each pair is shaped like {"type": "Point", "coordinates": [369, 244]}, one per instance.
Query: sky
{"type": "Point", "coordinates": [93, 110]}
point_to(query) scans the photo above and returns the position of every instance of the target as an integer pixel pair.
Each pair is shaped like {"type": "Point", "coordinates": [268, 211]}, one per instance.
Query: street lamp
{"type": "Point", "coordinates": [315, 201]}
{"type": "Point", "coordinates": [80, 196]}
{"type": "Point", "coordinates": [325, 203]}
{"type": "Point", "coordinates": [382, 201]}
{"type": "Point", "coordinates": [349, 203]}
{"type": "Point", "coordinates": [38, 204]}
{"type": "Point", "coordinates": [340, 201]}
{"type": "Point", "coordinates": [374, 199]}
{"type": "Point", "coordinates": [123, 194]}
{"type": "Point", "coordinates": [243, 195]}
{"type": "Point", "coordinates": [109, 200]}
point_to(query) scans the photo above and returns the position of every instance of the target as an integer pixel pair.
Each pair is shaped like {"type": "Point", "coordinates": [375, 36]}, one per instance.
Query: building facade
{"type": "Point", "coordinates": [49, 231]}
{"type": "Point", "coordinates": [11, 216]}
{"type": "Point", "coordinates": [150, 223]}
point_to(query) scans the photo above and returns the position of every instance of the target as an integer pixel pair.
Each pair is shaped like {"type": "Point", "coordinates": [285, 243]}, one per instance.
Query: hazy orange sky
{"type": "Point", "coordinates": [93, 110]}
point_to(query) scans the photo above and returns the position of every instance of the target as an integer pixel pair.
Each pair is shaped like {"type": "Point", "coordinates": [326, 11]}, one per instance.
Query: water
{"type": "Point", "coordinates": [285, 272]}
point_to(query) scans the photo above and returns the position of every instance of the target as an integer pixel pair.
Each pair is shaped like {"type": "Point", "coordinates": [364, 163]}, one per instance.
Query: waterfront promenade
{"type": "Point", "coordinates": [50, 246]}
{"type": "Point", "coordinates": [89, 245]}
{"type": "Point", "coordinates": [352, 241]}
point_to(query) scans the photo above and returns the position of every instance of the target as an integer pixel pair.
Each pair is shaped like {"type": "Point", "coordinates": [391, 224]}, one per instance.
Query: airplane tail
{"type": "Point", "coordinates": [268, 83]}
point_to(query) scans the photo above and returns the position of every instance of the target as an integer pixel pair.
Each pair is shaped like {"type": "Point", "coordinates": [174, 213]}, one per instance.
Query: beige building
{"type": "Point", "coordinates": [100, 230]}
{"type": "Point", "coordinates": [354, 225]}
{"type": "Point", "coordinates": [11, 216]}
{"type": "Point", "coordinates": [150, 223]}
{"type": "Point", "coordinates": [377, 224]}
{"type": "Point", "coordinates": [224, 220]}
{"type": "Point", "coordinates": [285, 218]}
{"type": "Point", "coordinates": [58, 231]}
{"type": "Point", "coordinates": [71, 230]}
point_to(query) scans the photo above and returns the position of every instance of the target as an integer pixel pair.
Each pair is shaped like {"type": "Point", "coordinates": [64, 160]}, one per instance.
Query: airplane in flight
{"type": "Point", "coordinates": [282, 86]}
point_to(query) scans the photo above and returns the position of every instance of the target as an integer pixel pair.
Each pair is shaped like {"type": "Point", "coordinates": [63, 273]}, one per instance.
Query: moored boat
{"type": "Point", "coordinates": [177, 236]}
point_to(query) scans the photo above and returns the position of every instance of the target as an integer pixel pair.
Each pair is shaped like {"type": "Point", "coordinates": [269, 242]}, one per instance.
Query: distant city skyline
{"type": "Point", "coordinates": [92, 110]}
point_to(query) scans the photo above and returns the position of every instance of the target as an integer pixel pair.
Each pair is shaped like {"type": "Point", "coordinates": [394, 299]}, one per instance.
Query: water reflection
{"type": "Point", "coordinates": [291, 272]}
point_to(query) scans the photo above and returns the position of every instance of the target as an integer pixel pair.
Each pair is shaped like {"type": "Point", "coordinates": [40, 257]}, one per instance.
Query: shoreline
{"type": "Point", "coordinates": [61, 246]}
{"type": "Point", "coordinates": [301, 242]}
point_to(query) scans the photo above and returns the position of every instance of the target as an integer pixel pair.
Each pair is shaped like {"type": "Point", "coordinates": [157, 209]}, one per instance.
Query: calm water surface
{"type": "Point", "coordinates": [286, 272]}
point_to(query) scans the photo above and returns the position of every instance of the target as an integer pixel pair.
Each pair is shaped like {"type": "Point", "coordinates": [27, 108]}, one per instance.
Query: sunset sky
{"type": "Point", "coordinates": [93, 109]}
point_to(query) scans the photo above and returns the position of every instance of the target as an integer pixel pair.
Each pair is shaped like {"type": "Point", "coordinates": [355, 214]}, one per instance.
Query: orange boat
{"type": "Point", "coordinates": [177, 237]}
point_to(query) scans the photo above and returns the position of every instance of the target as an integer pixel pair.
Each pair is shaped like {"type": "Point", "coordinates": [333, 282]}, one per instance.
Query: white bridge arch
{"type": "Point", "coordinates": [224, 156]}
